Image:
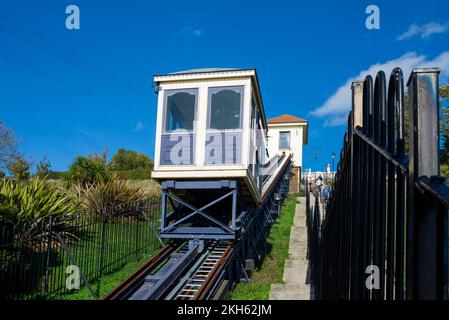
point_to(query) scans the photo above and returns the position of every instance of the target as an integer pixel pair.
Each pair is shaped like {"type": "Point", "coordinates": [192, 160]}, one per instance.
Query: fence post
{"type": "Point", "coordinates": [103, 238]}
{"type": "Point", "coordinates": [357, 104]}
{"type": "Point", "coordinates": [422, 220]}
{"type": "Point", "coordinates": [137, 215]}
{"type": "Point", "coordinates": [47, 264]}
{"type": "Point", "coordinates": [354, 230]}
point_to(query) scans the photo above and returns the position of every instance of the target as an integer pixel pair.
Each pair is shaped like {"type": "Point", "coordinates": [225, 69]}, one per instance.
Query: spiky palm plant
{"type": "Point", "coordinates": [113, 194]}
{"type": "Point", "coordinates": [28, 207]}
{"type": "Point", "coordinates": [84, 172]}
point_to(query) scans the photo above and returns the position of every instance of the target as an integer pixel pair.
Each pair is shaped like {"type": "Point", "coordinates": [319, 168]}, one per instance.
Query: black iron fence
{"type": "Point", "coordinates": [385, 234]}
{"type": "Point", "coordinates": [62, 254]}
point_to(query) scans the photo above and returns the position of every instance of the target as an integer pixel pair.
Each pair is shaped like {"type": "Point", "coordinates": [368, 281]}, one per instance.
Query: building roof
{"type": "Point", "coordinates": [286, 118]}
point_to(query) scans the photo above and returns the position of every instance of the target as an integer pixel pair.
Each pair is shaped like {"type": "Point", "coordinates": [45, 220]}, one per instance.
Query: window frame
{"type": "Point", "coordinates": [289, 140]}
{"type": "Point", "coordinates": [215, 89]}
{"type": "Point", "coordinates": [194, 91]}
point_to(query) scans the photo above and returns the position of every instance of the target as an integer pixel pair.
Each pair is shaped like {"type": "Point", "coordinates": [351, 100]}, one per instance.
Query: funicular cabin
{"type": "Point", "coordinates": [211, 156]}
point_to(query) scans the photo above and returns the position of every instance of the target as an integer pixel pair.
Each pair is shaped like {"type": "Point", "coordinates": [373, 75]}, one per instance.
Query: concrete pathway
{"type": "Point", "coordinates": [295, 270]}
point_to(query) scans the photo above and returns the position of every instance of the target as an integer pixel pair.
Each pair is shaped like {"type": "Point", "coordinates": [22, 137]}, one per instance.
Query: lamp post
{"type": "Point", "coordinates": [333, 160]}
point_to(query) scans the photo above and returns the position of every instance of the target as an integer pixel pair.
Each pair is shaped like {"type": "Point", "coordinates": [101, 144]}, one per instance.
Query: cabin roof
{"type": "Point", "coordinates": [206, 70]}
{"type": "Point", "coordinates": [286, 118]}
{"type": "Point", "coordinates": [210, 73]}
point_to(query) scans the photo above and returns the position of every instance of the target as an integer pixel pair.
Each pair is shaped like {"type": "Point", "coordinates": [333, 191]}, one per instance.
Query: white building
{"type": "Point", "coordinates": [288, 133]}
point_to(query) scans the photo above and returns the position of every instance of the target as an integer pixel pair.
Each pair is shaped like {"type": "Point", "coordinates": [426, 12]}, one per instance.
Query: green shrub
{"type": "Point", "coordinates": [113, 193]}
{"type": "Point", "coordinates": [43, 168]}
{"type": "Point", "coordinates": [20, 168]}
{"type": "Point", "coordinates": [445, 170]}
{"type": "Point", "coordinates": [85, 171]}
{"type": "Point", "coordinates": [135, 174]}
{"type": "Point", "coordinates": [26, 204]}
{"type": "Point", "coordinates": [126, 160]}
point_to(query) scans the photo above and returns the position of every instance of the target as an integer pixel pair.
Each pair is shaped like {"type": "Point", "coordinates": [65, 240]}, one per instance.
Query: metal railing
{"type": "Point", "coordinates": [385, 235]}
{"type": "Point", "coordinates": [40, 264]}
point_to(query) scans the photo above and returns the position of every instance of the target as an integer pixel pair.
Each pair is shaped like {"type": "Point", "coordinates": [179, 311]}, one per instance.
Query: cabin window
{"type": "Point", "coordinates": [225, 108]}
{"type": "Point", "coordinates": [180, 109]}
{"type": "Point", "coordinates": [284, 140]}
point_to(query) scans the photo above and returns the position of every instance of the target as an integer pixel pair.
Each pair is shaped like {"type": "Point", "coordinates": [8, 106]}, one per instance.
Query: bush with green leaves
{"type": "Point", "coordinates": [85, 172]}
{"type": "Point", "coordinates": [126, 160]}
{"type": "Point", "coordinates": [20, 168]}
{"type": "Point", "coordinates": [27, 205]}
{"type": "Point", "coordinates": [43, 168]}
{"type": "Point", "coordinates": [444, 169]}
{"type": "Point", "coordinates": [111, 194]}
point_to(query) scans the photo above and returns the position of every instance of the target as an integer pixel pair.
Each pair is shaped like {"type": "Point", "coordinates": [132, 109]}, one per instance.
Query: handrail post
{"type": "Point", "coordinates": [423, 265]}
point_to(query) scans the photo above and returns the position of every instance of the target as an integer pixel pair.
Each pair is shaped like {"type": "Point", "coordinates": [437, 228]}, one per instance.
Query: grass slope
{"type": "Point", "coordinates": [105, 284]}
{"type": "Point", "coordinates": [272, 266]}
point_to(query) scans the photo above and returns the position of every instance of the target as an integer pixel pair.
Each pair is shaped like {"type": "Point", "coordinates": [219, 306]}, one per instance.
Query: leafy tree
{"type": "Point", "coordinates": [129, 164]}
{"type": "Point", "coordinates": [125, 160]}
{"type": "Point", "coordinates": [43, 168]}
{"type": "Point", "coordinates": [2, 174]}
{"type": "Point", "coordinates": [86, 171]}
{"type": "Point", "coordinates": [56, 175]}
{"type": "Point", "coordinates": [8, 145]}
{"type": "Point", "coordinates": [20, 168]}
{"type": "Point", "coordinates": [444, 125]}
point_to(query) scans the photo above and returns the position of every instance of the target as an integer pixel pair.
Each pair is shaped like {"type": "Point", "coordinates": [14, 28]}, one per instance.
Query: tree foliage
{"type": "Point", "coordinates": [26, 204]}
{"type": "Point", "coordinates": [43, 168]}
{"type": "Point", "coordinates": [86, 171]}
{"type": "Point", "coordinates": [125, 160]}
{"type": "Point", "coordinates": [129, 164]}
{"type": "Point", "coordinates": [19, 168]}
{"type": "Point", "coordinates": [8, 145]}
{"type": "Point", "coordinates": [111, 194]}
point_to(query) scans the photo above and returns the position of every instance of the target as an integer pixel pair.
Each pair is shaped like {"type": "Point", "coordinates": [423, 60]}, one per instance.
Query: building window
{"type": "Point", "coordinates": [180, 109]}
{"type": "Point", "coordinates": [284, 140]}
{"type": "Point", "coordinates": [225, 108]}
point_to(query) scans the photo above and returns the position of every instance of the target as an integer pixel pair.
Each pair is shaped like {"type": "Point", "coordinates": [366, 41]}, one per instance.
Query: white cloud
{"type": "Point", "coordinates": [190, 31]}
{"type": "Point", "coordinates": [336, 121]}
{"type": "Point", "coordinates": [425, 31]}
{"type": "Point", "coordinates": [139, 126]}
{"type": "Point", "coordinates": [335, 108]}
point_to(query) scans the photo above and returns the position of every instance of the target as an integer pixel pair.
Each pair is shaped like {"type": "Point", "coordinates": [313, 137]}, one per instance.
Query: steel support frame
{"type": "Point", "coordinates": [220, 231]}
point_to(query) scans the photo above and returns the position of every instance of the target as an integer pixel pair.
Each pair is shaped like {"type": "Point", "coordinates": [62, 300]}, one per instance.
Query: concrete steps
{"type": "Point", "coordinates": [295, 269]}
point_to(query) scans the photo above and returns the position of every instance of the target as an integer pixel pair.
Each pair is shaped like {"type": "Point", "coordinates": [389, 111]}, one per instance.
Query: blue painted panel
{"type": "Point", "coordinates": [177, 149]}
{"type": "Point", "coordinates": [223, 148]}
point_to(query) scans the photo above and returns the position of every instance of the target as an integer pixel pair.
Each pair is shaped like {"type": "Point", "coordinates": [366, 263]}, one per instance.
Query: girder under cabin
{"type": "Point", "coordinates": [210, 150]}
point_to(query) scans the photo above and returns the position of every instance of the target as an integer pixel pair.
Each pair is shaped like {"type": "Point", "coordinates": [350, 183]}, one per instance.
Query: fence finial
{"type": "Point", "coordinates": [357, 103]}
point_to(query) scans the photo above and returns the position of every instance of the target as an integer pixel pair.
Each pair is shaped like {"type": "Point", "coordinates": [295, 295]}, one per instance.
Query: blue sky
{"type": "Point", "coordinates": [75, 92]}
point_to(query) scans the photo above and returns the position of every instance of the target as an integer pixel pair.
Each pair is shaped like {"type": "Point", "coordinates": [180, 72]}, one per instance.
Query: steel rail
{"type": "Point", "coordinates": [213, 276]}
{"type": "Point", "coordinates": [125, 288]}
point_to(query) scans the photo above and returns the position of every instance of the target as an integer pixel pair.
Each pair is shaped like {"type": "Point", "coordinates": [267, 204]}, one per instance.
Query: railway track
{"type": "Point", "coordinates": [180, 271]}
